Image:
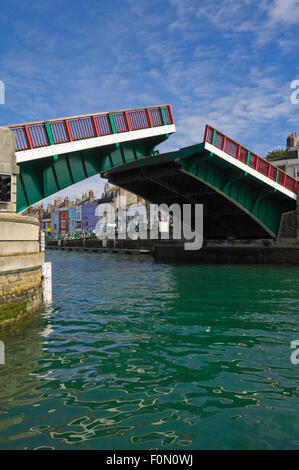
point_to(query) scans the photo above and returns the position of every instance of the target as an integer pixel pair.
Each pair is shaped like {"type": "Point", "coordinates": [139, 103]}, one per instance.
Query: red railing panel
{"type": "Point", "coordinates": [168, 114]}
{"type": "Point", "coordinates": [231, 148]}
{"type": "Point", "coordinates": [262, 166]}
{"type": "Point", "coordinates": [59, 132]}
{"type": "Point", "coordinates": [156, 117]}
{"type": "Point", "coordinates": [209, 135]}
{"type": "Point", "coordinates": [82, 128]}
{"type": "Point", "coordinates": [120, 122]}
{"type": "Point", "coordinates": [103, 123]}
{"type": "Point", "coordinates": [38, 134]}
{"type": "Point", "coordinates": [281, 176]}
{"type": "Point", "coordinates": [219, 140]}
{"type": "Point", "coordinates": [273, 173]}
{"type": "Point", "coordinates": [253, 160]}
{"type": "Point", "coordinates": [21, 142]}
{"type": "Point", "coordinates": [290, 183]}
{"type": "Point", "coordinates": [243, 155]}
{"type": "Point", "coordinates": [138, 119]}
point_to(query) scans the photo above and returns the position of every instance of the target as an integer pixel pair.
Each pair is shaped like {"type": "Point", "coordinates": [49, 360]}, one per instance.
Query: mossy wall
{"type": "Point", "coordinates": [20, 295]}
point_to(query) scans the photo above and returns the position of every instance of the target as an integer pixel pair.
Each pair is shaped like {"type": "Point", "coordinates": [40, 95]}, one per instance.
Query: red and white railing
{"type": "Point", "coordinates": [57, 131]}
{"type": "Point", "coordinates": [232, 148]}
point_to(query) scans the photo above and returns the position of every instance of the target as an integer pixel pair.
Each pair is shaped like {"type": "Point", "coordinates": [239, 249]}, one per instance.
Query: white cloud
{"type": "Point", "coordinates": [214, 61]}
{"type": "Point", "coordinates": [283, 12]}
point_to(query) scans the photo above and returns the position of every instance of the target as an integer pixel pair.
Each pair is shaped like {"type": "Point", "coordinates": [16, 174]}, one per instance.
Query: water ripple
{"type": "Point", "coordinates": [138, 355]}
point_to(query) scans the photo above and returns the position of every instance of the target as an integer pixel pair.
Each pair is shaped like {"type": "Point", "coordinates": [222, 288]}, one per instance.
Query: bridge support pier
{"type": "Point", "coordinates": [20, 257]}
{"type": "Point", "coordinates": [289, 225]}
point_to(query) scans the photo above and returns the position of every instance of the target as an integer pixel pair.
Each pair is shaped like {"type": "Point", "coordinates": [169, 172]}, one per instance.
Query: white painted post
{"type": "Point", "coordinates": [2, 353]}
{"type": "Point", "coordinates": [47, 282]}
{"type": "Point", "coordinates": [42, 241]}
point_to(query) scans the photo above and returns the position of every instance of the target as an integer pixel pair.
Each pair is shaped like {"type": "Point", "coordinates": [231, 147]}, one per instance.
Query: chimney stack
{"type": "Point", "coordinates": [67, 202]}
{"type": "Point", "coordinates": [292, 140]}
{"type": "Point", "coordinates": [57, 201]}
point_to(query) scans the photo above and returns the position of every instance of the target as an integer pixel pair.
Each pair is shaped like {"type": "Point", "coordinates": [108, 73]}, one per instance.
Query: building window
{"type": "Point", "coordinates": [63, 224]}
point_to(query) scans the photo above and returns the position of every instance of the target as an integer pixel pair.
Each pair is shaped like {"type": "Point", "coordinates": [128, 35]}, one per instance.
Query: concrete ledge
{"type": "Point", "coordinates": [21, 262]}
{"type": "Point", "coordinates": [22, 219]}
{"type": "Point", "coordinates": [15, 248]}
{"type": "Point", "coordinates": [18, 228]}
{"type": "Point", "coordinates": [18, 235]}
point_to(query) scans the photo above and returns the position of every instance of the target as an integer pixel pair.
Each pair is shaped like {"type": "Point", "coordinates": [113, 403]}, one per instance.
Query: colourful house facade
{"type": "Point", "coordinates": [78, 217]}
{"type": "Point", "coordinates": [89, 217]}
{"type": "Point", "coordinates": [63, 220]}
{"type": "Point", "coordinates": [55, 221]}
{"type": "Point", "coordinates": [72, 219]}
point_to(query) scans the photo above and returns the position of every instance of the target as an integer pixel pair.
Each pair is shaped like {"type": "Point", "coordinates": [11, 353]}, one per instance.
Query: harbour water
{"type": "Point", "coordinates": [138, 355]}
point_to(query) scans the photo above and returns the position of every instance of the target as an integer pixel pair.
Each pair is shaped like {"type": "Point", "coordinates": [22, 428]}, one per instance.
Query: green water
{"type": "Point", "coordinates": [137, 355]}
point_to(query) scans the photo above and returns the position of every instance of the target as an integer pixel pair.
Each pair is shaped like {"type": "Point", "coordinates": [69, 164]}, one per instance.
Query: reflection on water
{"type": "Point", "coordinates": [137, 355]}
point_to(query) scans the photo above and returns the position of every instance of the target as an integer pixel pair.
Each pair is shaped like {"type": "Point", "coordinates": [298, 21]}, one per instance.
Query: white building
{"type": "Point", "coordinates": [290, 164]}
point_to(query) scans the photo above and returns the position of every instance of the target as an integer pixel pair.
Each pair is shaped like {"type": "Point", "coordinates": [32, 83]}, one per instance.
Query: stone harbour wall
{"type": "Point", "coordinates": [20, 257]}
{"type": "Point", "coordinates": [20, 268]}
{"type": "Point", "coordinates": [20, 295]}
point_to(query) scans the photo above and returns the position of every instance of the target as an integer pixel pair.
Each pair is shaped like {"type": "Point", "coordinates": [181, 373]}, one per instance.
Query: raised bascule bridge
{"type": "Point", "coordinates": [55, 154]}
{"type": "Point", "coordinates": [243, 195]}
{"type": "Point", "coordinates": [245, 199]}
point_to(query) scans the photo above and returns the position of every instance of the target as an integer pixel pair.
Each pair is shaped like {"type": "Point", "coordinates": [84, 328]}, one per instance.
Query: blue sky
{"type": "Point", "coordinates": [226, 63]}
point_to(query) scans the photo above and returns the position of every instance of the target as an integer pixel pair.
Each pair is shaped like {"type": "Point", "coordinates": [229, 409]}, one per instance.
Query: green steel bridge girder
{"type": "Point", "coordinates": [260, 202]}
{"type": "Point", "coordinates": [43, 177]}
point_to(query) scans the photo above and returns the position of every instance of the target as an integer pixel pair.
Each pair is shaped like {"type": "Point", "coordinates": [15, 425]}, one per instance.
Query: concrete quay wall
{"type": "Point", "coordinates": [213, 251]}
{"type": "Point", "coordinates": [232, 252]}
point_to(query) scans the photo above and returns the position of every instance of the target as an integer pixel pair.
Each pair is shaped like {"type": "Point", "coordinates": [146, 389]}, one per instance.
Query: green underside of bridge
{"type": "Point", "coordinates": [262, 204]}
{"type": "Point", "coordinates": [194, 175]}
{"type": "Point", "coordinates": [43, 177]}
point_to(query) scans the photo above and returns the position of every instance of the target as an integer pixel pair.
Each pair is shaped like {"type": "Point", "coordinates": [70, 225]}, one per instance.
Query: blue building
{"type": "Point", "coordinates": [89, 217]}
{"type": "Point", "coordinates": [72, 219]}
{"type": "Point", "coordinates": [55, 221]}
